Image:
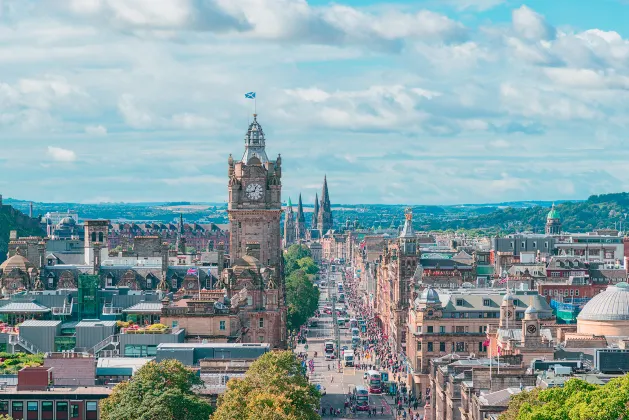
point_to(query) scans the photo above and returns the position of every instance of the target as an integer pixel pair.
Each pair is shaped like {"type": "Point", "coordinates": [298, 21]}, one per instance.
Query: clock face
{"type": "Point", "coordinates": [509, 314]}
{"type": "Point", "coordinates": [190, 285]}
{"type": "Point", "coordinates": [531, 329]}
{"type": "Point", "coordinates": [254, 191]}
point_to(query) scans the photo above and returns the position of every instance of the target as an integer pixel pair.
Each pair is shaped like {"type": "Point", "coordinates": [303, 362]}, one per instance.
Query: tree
{"type": "Point", "coordinates": [577, 400]}
{"type": "Point", "coordinates": [158, 391]}
{"type": "Point", "coordinates": [273, 388]}
{"type": "Point", "coordinates": [302, 299]}
{"type": "Point", "coordinates": [307, 265]}
{"type": "Point", "coordinates": [292, 255]}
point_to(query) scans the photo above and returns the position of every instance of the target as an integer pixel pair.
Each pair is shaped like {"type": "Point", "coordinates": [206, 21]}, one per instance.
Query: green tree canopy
{"type": "Point", "coordinates": [293, 255]}
{"type": "Point", "coordinates": [158, 391]}
{"type": "Point", "coordinates": [577, 400]}
{"type": "Point", "coordinates": [302, 299]}
{"type": "Point", "coordinates": [273, 388]}
{"type": "Point", "coordinates": [307, 265]}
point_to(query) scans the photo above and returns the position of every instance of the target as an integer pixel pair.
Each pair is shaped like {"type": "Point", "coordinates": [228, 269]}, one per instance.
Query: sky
{"type": "Point", "coordinates": [409, 102]}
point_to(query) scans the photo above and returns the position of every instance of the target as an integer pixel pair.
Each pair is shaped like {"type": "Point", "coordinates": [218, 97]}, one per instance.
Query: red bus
{"type": "Point", "coordinates": [374, 382]}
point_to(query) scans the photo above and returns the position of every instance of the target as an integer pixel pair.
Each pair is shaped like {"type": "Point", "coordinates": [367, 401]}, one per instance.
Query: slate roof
{"type": "Point", "coordinates": [22, 307]}
{"type": "Point", "coordinates": [444, 263]}
{"type": "Point", "coordinates": [144, 307]}
{"type": "Point", "coordinates": [501, 398]}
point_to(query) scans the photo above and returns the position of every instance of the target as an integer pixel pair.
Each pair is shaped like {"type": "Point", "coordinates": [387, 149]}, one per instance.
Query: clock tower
{"type": "Point", "coordinates": [255, 206]}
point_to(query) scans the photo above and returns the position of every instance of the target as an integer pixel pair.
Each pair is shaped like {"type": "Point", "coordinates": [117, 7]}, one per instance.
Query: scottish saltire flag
{"type": "Point", "coordinates": [250, 95]}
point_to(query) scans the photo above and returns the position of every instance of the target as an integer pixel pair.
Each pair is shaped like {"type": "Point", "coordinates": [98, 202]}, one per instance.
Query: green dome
{"type": "Point", "coordinates": [553, 214]}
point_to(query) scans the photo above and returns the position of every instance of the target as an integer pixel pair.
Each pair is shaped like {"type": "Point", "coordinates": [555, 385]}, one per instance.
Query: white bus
{"type": "Point", "coordinates": [328, 348]}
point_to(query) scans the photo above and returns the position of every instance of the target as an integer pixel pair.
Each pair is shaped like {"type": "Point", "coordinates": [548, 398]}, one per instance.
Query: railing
{"type": "Point", "coordinates": [112, 339]}
{"type": "Point", "coordinates": [64, 310]}
{"type": "Point", "coordinates": [108, 309]}
{"type": "Point", "coordinates": [27, 345]}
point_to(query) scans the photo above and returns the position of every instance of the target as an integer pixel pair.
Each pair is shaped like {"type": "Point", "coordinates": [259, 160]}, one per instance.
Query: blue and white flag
{"type": "Point", "coordinates": [250, 95]}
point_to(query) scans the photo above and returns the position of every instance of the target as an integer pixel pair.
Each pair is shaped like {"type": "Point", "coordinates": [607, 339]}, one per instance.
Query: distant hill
{"type": "Point", "coordinates": [12, 219]}
{"type": "Point", "coordinates": [597, 212]}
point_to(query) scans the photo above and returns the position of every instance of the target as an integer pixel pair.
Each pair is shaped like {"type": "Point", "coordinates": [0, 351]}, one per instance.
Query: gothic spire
{"type": "Point", "coordinates": [300, 211]}
{"type": "Point", "coordinates": [315, 213]}
{"type": "Point", "coordinates": [325, 196]}
{"type": "Point", "coordinates": [407, 231]}
{"type": "Point", "coordinates": [181, 239]}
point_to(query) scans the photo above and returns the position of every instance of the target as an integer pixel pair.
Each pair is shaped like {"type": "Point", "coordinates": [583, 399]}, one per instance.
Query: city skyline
{"type": "Point", "coordinates": [136, 101]}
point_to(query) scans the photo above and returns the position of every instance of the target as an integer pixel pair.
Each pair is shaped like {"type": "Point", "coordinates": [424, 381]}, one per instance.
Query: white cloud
{"type": "Point", "coordinates": [61, 155]}
{"type": "Point", "coordinates": [531, 25]}
{"type": "Point", "coordinates": [133, 114]}
{"type": "Point", "coordinates": [96, 130]}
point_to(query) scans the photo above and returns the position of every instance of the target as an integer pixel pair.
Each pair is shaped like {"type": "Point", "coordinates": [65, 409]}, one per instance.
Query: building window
{"type": "Point", "coordinates": [576, 292]}
{"type": "Point", "coordinates": [32, 406]}
{"type": "Point", "coordinates": [486, 302]}
{"type": "Point", "coordinates": [459, 302]}
{"type": "Point", "coordinates": [419, 346]}
{"type": "Point", "coordinates": [480, 329]}
{"type": "Point", "coordinates": [511, 245]}
{"type": "Point", "coordinates": [430, 329]}
{"type": "Point", "coordinates": [17, 407]}
{"type": "Point", "coordinates": [47, 406]}
{"type": "Point", "coordinates": [62, 407]}
{"type": "Point", "coordinates": [460, 346]}
{"type": "Point", "coordinates": [249, 301]}
{"type": "Point", "coordinates": [4, 407]}
{"type": "Point", "coordinates": [261, 339]}
{"type": "Point", "coordinates": [91, 406]}
{"type": "Point", "coordinates": [534, 244]}
{"type": "Point", "coordinates": [74, 411]}
{"type": "Point", "coordinates": [523, 244]}
{"type": "Point", "coordinates": [571, 292]}
{"type": "Point", "coordinates": [545, 244]}
{"type": "Point", "coordinates": [545, 292]}
{"type": "Point", "coordinates": [430, 349]}
{"type": "Point", "coordinates": [481, 348]}
{"type": "Point", "coordinates": [221, 325]}
{"type": "Point", "coordinates": [442, 346]}
{"type": "Point", "coordinates": [261, 323]}
{"type": "Point", "coordinates": [419, 329]}
{"type": "Point", "coordinates": [442, 329]}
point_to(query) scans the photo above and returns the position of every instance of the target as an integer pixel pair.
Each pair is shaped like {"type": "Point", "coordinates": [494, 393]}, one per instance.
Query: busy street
{"type": "Point", "coordinates": [362, 378]}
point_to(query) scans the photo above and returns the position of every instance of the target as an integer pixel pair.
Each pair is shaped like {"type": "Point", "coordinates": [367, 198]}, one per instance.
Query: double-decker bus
{"type": "Point", "coordinates": [362, 398]}
{"type": "Point", "coordinates": [328, 348]}
{"type": "Point", "coordinates": [374, 382]}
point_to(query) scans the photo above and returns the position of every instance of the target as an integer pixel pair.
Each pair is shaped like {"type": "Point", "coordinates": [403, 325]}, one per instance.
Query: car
{"type": "Point", "coordinates": [344, 348]}
{"type": "Point", "coordinates": [365, 375]}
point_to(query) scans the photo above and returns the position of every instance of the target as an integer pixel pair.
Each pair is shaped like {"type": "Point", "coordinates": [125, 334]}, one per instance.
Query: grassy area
{"type": "Point", "coordinates": [11, 363]}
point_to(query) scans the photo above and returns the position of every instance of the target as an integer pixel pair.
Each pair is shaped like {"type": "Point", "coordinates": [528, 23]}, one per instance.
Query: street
{"type": "Point", "coordinates": [338, 384]}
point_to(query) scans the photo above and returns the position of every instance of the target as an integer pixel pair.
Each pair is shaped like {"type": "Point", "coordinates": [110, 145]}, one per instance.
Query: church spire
{"type": "Point", "coordinates": [324, 221]}
{"type": "Point", "coordinates": [181, 239]}
{"type": "Point", "coordinates": [300, 221]}
{"type": "Point", "coordinates": [315, 212]}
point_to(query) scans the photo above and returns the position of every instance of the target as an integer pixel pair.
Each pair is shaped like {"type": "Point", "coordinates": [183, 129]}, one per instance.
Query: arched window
{"type": "Point", "coordinates": [100, 236]}
{"type": "Point", "coordinates": [93, 236]}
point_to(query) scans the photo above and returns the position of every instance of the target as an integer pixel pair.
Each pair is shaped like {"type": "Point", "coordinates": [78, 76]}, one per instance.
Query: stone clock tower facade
{"type": "Point", "coordinates": [254, 210]}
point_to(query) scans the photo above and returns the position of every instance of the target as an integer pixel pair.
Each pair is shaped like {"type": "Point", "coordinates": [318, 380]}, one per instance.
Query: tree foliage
{"type": "Point", "coordinates": [158, 391]}
{"type": "Point", "coordinates": [576, 400]}
{"type": "Point", "coordinates": [302, 298]}
{"type": "Point", "coordinates": [273, 388]}
{"type": "Point", "coordinates": [13, 362]}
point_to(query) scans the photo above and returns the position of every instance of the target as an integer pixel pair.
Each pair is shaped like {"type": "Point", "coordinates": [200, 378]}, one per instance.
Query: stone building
{"type": "Point", "coordinates": [394, 278]}
{"type": "Point", "coordinates": [254, 209]}
{"type": "Point", "coordinates": [300, 222]}
{"type": "Point", "coordinates": [459, 321]}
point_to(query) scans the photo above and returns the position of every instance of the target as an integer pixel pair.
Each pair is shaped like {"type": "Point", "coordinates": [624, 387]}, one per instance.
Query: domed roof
{"type": "Point", "coordinates": [508, 296]}
{"type": "Point", "coordinates": [610, 305]}
{"type": "Point", "coordinates": [67, 221]}
{"type": "Point", "coordinates": [531, 310]}
{"type": "Point", "coordinates": [553, 213]}
{"type": "Point", "coordinates": [430, 295]}
{"type": "Point", "coordinates": [16, 261]}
